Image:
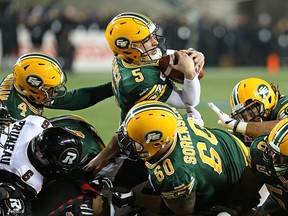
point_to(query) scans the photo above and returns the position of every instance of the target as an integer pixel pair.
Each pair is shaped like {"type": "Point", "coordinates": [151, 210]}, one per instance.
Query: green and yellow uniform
{"type": "Point", "coordinates": [281, 109]}
{"type": "Point", "coordinates": [278, 191]}
{"type": "Point", "coordinates": [132, 84]}
{"type": "Point", "coordinates": [207, 161]}
{"type": "Point", "coordinates": [19, 107]}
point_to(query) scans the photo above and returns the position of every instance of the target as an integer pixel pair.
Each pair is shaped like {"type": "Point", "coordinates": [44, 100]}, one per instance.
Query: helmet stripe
{"type": "Point", "coordinates": [146, 107]}
{"type": "Point", "coordinates": [281, 132]}
{"type": "Point", "coordinates": [140, 17]}
{"type": "Point", "coordinates": [278, 134]}
{"type": "Point", "coordinates": [149, 23]}
{"type": "Point", "coordinates": [234, 95]}
{"type": "Point", "coordinates": [41, 56]}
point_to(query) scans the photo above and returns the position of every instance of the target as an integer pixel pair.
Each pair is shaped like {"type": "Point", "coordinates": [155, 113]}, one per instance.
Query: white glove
{"type": "Point", "coordinates": [227, 121]}
{"type": "Point", "coordinates": [195, 115]}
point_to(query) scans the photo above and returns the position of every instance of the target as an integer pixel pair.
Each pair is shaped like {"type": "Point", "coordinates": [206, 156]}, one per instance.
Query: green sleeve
{"type": "Point", "coordinates": [83, 97]}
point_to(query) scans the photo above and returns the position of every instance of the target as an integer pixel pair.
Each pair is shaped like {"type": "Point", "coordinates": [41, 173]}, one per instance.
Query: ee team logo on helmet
{"type": "Point", "coordinates": [154, 136]}
{"type": "Point", "coordinates": [263, 91]}
{"type": "Point", "coordinates": [34, 81]}
{"type": "Point", "coordinates": [122, 43]}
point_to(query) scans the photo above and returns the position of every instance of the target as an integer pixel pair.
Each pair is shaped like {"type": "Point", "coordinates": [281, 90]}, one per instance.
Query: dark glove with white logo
{"type": "Point", "coordinates": [13, 192]}
{"type": "Point", "coordinates": [95, 187]}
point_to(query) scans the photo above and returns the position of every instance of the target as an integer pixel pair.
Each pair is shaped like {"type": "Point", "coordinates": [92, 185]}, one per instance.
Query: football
{"type": "Point", "coordinates": [174, 75]}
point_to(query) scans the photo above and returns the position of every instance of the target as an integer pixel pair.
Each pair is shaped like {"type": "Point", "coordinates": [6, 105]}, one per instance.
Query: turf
{"type": "Point", "coordinates": [216, 87]}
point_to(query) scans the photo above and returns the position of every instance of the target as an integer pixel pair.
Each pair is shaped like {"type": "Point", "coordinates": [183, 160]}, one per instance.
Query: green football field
{"type": "Point", "coordinates": [215, 87]}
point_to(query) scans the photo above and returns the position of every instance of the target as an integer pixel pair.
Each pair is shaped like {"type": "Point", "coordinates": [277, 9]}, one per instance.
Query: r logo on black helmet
{"type": "Point", "coordinates": [69, 157]}
{"type": "Point", "coordinates": [122, 43]}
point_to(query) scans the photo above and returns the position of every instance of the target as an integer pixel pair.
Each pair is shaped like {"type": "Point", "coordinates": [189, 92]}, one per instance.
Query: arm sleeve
{"type": "Point", "coordinates": [83, 97]}
{"type": "Point", "coordinates": [191, 92]}
{"type": "Point", "coordinates": [188, 96]}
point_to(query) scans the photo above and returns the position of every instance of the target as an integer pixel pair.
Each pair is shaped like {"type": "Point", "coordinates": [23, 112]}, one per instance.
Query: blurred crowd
{"type": "Point", "coordinates": [223, 43]}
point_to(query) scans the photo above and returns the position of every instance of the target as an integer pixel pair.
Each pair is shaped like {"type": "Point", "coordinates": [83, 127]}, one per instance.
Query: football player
{"type": "Point", "coordinates": [270, 163]}
{"type": "Point", "coordinates": [191, 168]}
{"type": "Point", "coordinates": [38, 81]}
{"type": "Point", "coordinates": [32, 151]}
{"type": "Point", "coordinates": [136, 75]}
{"type": "Point", "coordinates": [257, 107]}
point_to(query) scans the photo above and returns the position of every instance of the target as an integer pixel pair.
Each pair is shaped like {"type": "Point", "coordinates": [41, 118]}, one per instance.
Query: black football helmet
{"type": "Point", "coordinates": [55, 151]}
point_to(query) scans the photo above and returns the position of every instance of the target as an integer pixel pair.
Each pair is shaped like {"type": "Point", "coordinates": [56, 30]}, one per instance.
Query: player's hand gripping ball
{"type": "Point", "coordinates": [174, 75]}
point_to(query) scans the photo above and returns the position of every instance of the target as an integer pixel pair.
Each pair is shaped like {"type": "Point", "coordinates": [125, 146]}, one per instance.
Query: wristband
{"type": "Point", "coordinates": [235, 125]}
{"type": "Point", "coordinates": [240, 127]}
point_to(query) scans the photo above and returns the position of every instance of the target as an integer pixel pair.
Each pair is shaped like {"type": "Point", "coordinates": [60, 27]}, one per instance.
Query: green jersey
{"type": "Point", "coordinates": [135, 84]}
{"type": "Point", "coordinates": [207, 161]}
{"type": "Point", "coordinates": [277, 190]}
{"type": "Point", "coordinates": [281, 109]}
{"type": "Point", "coordinates": [92, 143]}
{"type": "Point", "coordinates": [19, 107]}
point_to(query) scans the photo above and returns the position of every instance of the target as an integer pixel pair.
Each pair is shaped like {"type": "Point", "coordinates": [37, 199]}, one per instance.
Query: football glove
{"type": "Point", "coordinates": [122, 197]}
{"type": "Point", "coordinates": [86, 208]}
{"type": "Point", "coordinates": [227, 121]}
{"type": "Point", "coordinates": [13, 191]}
{"type": "Point", "coordinates": [95, 187]}
{"type": "Point", "coordinates": [195, 115]}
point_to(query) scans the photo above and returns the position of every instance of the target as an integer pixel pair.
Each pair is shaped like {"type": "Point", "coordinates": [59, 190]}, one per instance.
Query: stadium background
{"type": "Point", "coordinates": [224, 67]}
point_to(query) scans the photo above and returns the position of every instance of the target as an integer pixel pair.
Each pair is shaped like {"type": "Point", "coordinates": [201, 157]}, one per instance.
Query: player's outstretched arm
{"type": "Point", "coordinates": [103, 158]}
{"type": "Point", "coordinates": [253, 129]}
{"type": "Point", "coordinates": [227, 121]}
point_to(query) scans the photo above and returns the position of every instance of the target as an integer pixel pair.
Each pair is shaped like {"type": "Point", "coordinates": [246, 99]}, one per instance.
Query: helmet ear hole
{"type": "Point", "coordinates": [156, 145]}
{"type": "Point", "coordinates": [270, 99]}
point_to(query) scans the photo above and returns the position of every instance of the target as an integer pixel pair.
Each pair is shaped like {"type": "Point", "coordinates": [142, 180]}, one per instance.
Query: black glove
{"type": "Point", "coordinates": [95, 187]}
{"type": "Point", "coordinates": [13, 191]}
{"type": "Point", "coordinates": [122, 197]}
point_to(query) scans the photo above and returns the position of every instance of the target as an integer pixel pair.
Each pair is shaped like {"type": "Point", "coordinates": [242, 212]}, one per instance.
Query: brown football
{"type": "Point", "coordinates": [175, 75]}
